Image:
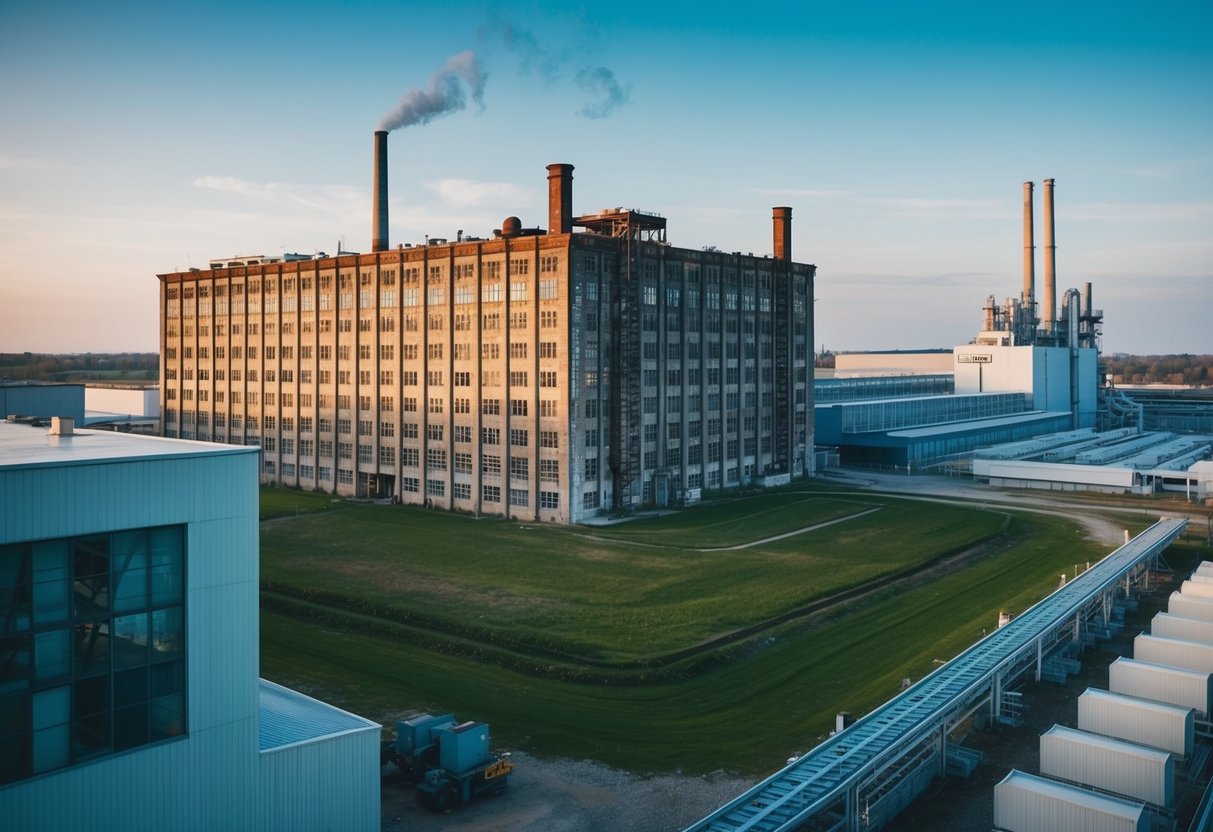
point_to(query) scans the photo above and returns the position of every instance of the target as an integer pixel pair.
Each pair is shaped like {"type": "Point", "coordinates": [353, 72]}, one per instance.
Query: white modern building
{"type": "Point", "coordinates": [129, 689]}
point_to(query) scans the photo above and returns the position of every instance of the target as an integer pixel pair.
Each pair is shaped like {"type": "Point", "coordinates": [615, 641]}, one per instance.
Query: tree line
{"type": "Point", "coordinates": [1188, 370]}
{"type": "Point", "coordinates": [92, 366]}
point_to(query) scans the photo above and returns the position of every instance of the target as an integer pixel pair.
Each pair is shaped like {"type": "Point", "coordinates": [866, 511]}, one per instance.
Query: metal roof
{"type": "Point", "coordinates": [824, 777]}
{"type": "Point", "coordinates": [978, 424]}
{"type": "Point", "coordinates": [1105, 803]}
{"type": "Point", "coordinates": [23, 445]}
{"type": "Point", "coordinates": [286, 717]}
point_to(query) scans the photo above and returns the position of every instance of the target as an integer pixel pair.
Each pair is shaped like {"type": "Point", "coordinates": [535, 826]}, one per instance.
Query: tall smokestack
{"type": "Point", "coordinates": [379, 219]}
{"type": "Point", "coordinates": [560, 198]}
{"type": "Point", "coordinates": [782, 217]}
{"type": "Point", "coordinates": [1029, 249]}
{"type": "Point", "coordinates": [1049, 303]}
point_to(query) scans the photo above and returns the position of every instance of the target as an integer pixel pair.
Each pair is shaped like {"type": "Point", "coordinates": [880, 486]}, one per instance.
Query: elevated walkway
{"type": "Point", "coordinates": [862, 776]}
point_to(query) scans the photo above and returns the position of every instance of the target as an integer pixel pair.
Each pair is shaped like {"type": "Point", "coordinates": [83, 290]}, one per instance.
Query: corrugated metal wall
{"type": "Point", "coordinates": [330, 784]}
{"type": "Point", "coordinates": [1173, 651]}
{"type": "Point", "coordinates": [1025, 803]}
{"type": "Point", "coordinates": [1155, 724]}
{"type": "Point", "coordinates": [1170, 625]}
{"type": "Point", "coordinates": [1112, 765]}
{"type": "Point", "coordinates": [1191, 606]}
{"type": "Point", "coordinates": [1173, 685]}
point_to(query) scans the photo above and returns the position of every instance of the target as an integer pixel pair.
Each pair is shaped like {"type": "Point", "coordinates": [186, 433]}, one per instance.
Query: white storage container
{"type": "Point", "coordinates": [1190, 606]}
{"type": "Point", "coordinates": [1170, 625]}
{"type": "Point", "coordinates": [1162, 683]}
{"type": "Point", "coordinates": [1173, 651]}
{"type": "Point", "coordinates": [1113, 765]}
{"type": "Point", "coordinates": [1026, 803]}
{"type": "Point", "coordinates": [1196, 588]}
{"type": "Point", "coordinates": [1157, 724]}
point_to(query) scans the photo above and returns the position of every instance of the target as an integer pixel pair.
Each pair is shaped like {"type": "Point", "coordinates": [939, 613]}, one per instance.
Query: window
{"type": "Point", "coordinates": [591, 468]}
{"type": "Point", "coordinates": [433, 431]}
{"type": "Point", "coordinates": [548, 290]}
{"type": "Point", "coordinates": [462, 433]}
{"type": "Point", "coordinates": [547, 349]}
{"type": "Point", "coordinates": [435, 459]}
{"type": "Point", "coordinates": [547, 319]}
{"type": "Point", "coordinates": [548, 407]}
{"type": "Point", "coordinates": [518, 378]}
{"type": "Point", "coordinates": [490, 493]}
{"type": "Point", "coordinates": [463, 463]}
{"type": "Point", "coordinates": [519, 467]}
{"type": "Point", "coordinates": [461, 490]}
{"type": "Point", "coordinates": [95, 647]}
{"type": "Point", "coordinates": [547, 378]}
{"type": "Point", "coordinates": [520, 497]}
{"type": "Point", "coordinates": [549, 439]}
{"type": "Point", "coordinates": [490, 466]}
{"type": "Point", "coordinates": [490, 407]}
{"type": "Point", "coordinates": [549, 470]}
{"type": "Point", "coordinates": [518, 407]}
{"type": "Point", "coordinates": [549, 499]}
{"type": "Point", "coordinates": [519, 437]}
{"type": "Point", "coordinates": [490, 436]}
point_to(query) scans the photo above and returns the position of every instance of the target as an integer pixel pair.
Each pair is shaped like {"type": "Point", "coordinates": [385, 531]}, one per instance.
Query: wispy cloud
{"type": "Point", "coordinates": [803, 193]}
{"type": "Point", "coordinates": [470, 193]}
{"type": "Point", "coordinates": [323, 198]}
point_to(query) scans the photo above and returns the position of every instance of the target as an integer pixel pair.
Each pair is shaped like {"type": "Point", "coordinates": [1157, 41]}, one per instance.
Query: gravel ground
{"type": "Point", "coordinates": [570, 796]}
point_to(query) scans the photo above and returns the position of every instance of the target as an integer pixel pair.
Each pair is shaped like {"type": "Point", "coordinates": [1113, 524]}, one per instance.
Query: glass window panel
{"type": "Point", "coordinates": [90, 567]}
{"type": "Point", "coordinates": [130, 726]}
{"type": "Point", "coordinates": [168, 716]}
{"type": "Point", "coordinates": [14, 588]}
{"type": "Point", "coordinates": [167, 635]}
{"type": "Point", "coordinates": [52, 748]}
{"type": "Point", "coordinates": [130, 640]}
{"type": "Point", "coordinates": [92, 734]}
{"type": "Point", "coordinates": [14, 762]}
{"type": "Point", "coordinates": [167, 566]}
{"type": "Point", "coordinates": [14, 714]}
{"type": "Point", "coordinates": [130, 590]}
{"type": "Point", "coordinates": [52, 581]}
{"type": "Point", "coordinates": [92, 696]}
{"type": "Point", "coordinates": [12, 564]}
{"type": "Point", "coordinates": [52, 654]}
{"type": "Point", "coordinates": [92, 648]}
{"type": "Point", "coordinates": [14, 663]}
{"type": "Point", "coordinates": [129, 561]}
{"type": "Point", "coordinates": [167, 678]}
{"type": "Point", "coordinates": [52, 707]}
{"type": "Point", "coordinates": [130, 687]}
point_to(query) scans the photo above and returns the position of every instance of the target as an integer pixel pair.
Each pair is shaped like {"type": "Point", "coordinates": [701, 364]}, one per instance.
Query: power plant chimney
{"type": "Point", "coordinates": [560, 198]}
{"type": "Point", "coordinates": [379, 219]}
{"type": "Point", "coordinates": [1049, 303]}
{"type": "Point", "coordinates": [782, 217]}
{"type": "Point", "coordinates": [1029, 250]}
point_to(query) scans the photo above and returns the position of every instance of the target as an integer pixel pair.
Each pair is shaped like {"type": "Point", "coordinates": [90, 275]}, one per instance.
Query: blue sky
{"type": "Point", "coordinates": [141, 138]}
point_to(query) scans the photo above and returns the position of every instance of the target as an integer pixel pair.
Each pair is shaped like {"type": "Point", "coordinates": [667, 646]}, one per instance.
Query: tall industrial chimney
{"type": "Point", "coordinates": [379, 219]}
{"type": "Point", "coordinates": [1028, 298]}
{"type": "Point", "coordinates": [1049, 302]}
{"type": "Point", "coordinates": [560, 198]}
{"type": "Point", "coordinates": [782, 217]}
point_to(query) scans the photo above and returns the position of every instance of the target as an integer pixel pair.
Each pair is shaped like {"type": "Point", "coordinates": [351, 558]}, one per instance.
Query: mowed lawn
{"type": "Point", "coordinates": [747, 713]}
{"type": "Point", "coordinates": [608, 594]}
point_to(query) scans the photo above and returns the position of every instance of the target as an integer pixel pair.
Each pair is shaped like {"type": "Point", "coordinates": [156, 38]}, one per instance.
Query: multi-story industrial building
{"type": "Point", "coordinates": [539, 374]}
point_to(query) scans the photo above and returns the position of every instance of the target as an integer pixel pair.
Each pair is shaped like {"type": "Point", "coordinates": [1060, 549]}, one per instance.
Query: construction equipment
{"type": "Point", "coordinates": [448, 762]}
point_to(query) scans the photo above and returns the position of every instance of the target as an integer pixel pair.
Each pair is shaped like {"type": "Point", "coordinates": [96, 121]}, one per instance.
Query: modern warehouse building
{"type": "Point", "coordinates": [129, 689]}
{"type": "Point", "coordinates": [539, 374]}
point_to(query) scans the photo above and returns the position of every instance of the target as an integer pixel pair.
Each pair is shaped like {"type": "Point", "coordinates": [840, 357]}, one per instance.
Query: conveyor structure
{"type": "Point", "coordinates": [861, 777]}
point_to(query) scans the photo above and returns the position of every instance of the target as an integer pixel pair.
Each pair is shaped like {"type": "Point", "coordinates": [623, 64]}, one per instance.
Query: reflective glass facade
{"type": "Point", "coordinates": [92, 647]}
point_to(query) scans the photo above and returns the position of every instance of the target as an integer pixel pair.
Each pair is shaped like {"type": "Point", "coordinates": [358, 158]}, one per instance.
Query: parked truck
{"type": "Point", "coordinates": [448, 762]}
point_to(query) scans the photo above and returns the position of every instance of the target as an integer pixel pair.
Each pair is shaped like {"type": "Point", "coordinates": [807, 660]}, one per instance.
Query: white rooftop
{"type": "Point", "coordinates": [287, 717]}
{"type": "Point", "coordinates": [26, 445]}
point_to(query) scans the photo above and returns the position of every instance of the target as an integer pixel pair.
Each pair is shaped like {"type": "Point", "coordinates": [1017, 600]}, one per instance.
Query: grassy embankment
{"type": "Point", "coordinates": [573, 641]}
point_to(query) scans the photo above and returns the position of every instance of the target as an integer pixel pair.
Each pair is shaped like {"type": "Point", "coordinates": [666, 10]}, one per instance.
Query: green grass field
{"type": "Point", "coordinates": [540, 630]}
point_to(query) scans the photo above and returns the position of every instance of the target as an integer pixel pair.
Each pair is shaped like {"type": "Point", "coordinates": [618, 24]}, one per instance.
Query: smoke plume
{"type": "Point", "coordinates": [446, 93]}
{"type": "Point", "coordinates": [602, 82]}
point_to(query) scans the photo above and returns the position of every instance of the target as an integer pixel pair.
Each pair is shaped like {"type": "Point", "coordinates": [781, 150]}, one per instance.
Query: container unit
{"type": "Point", "coordinates": [1027, 803]}
{"type": "Point", "coordinates": [1170, 625]}
{"type": "Point", "coordinates": [1161, 683]}
{"type": "Point", "coordinates": [1204, 568]}
{"type": "Point", "coordinates": [1159, 725]}
{"type": "Point", "coordinates": [464, 747]}
{"type": "Point", "coordinates": [1173, 651]}
{"type": "Point", "coordinates": [1199, 577]}
{"type": "Point", "coordinates": [1190, 606]}
{"type": "Point", "coordinates": [1126, 768]}
{"type": "Point", "coordinates": [1200, 590]}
